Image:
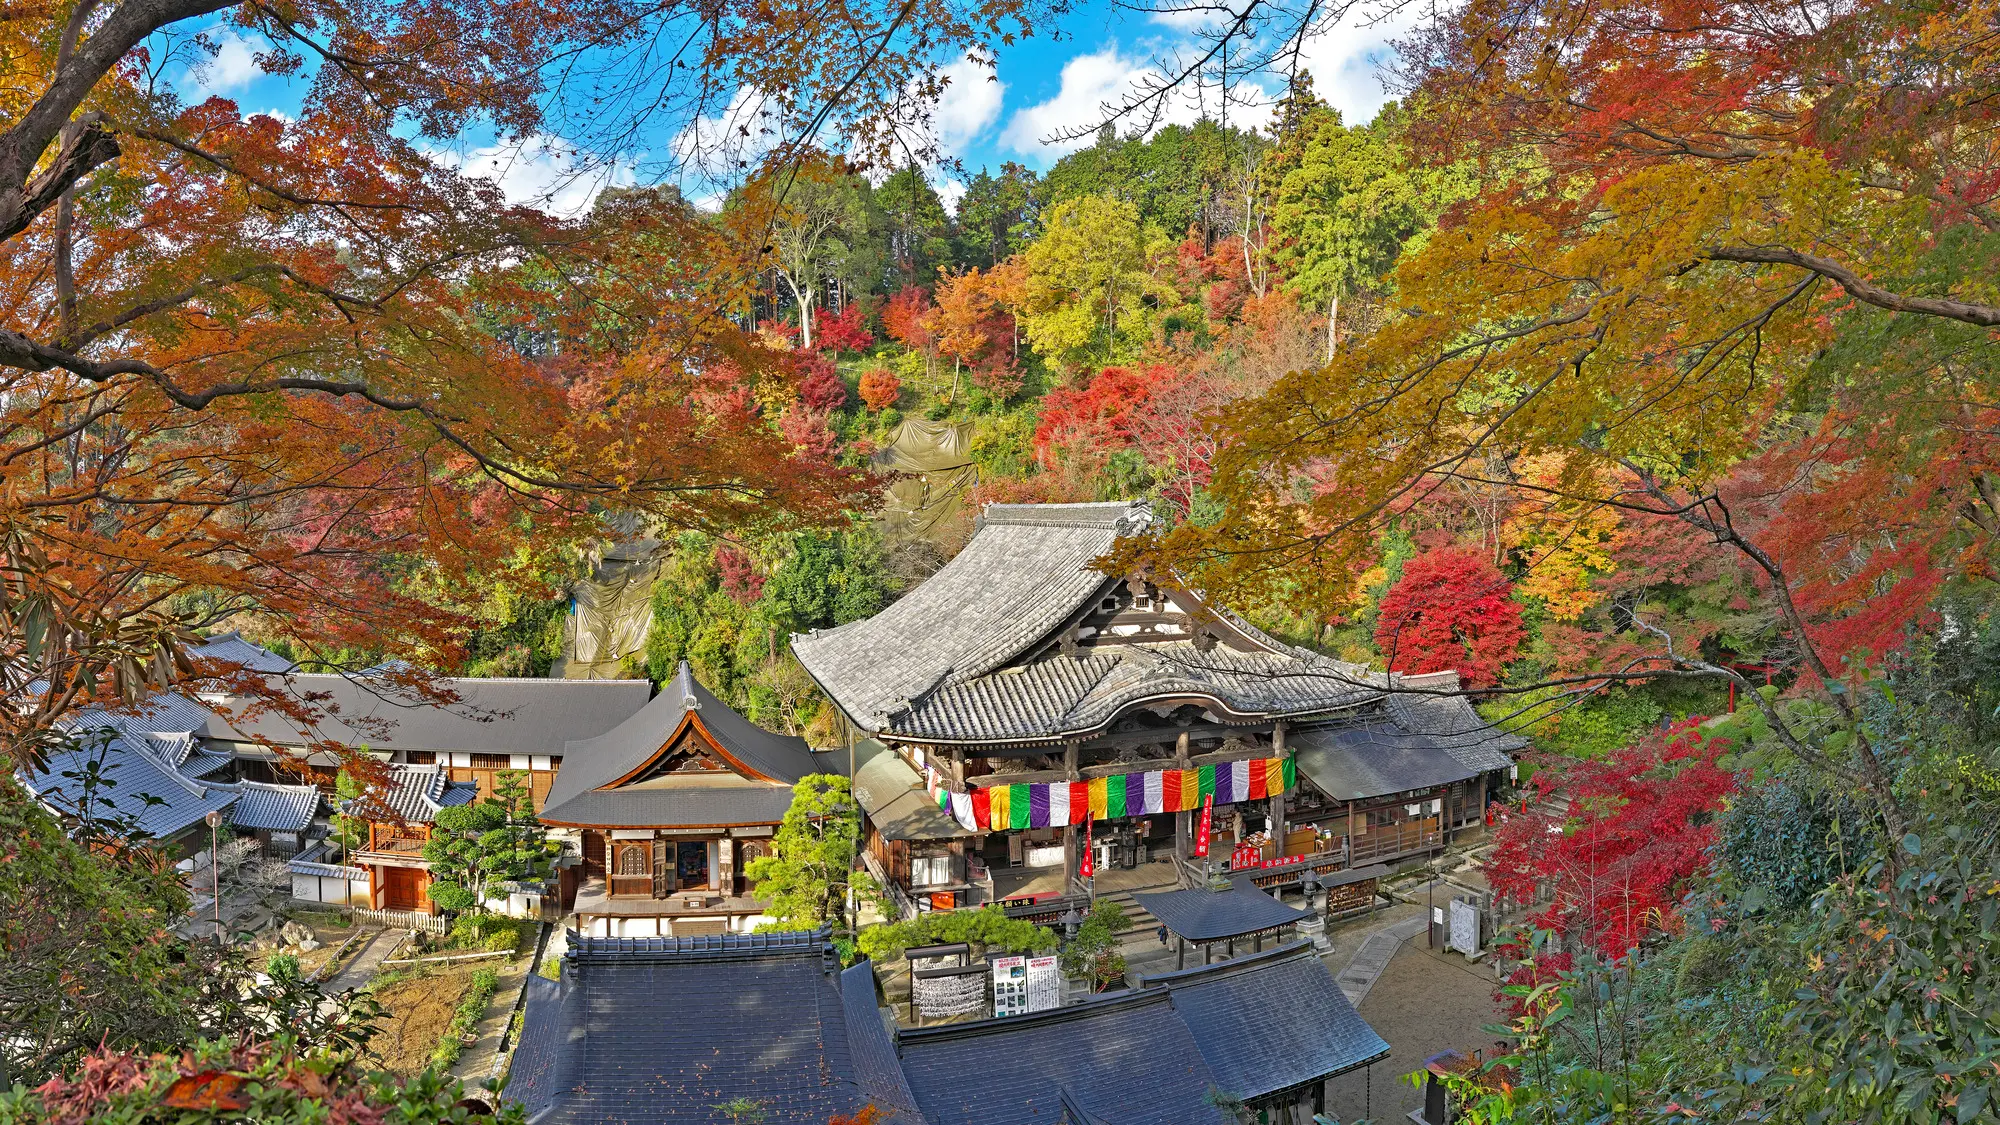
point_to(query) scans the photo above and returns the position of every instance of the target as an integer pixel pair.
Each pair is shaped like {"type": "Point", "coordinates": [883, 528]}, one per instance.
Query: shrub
{"type": "Point", "coordinates": [472, 1009]}
{"type": "Point", "coordinates": [880, 388]}
{"type": "Point", "coordinates": [988, 926]}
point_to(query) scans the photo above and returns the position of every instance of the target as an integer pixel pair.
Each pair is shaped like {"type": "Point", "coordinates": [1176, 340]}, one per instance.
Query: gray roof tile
{"type": "Point", "coordinates": [232, 648]}
{"type": "Point", "coordinates": [129, 776]}
{"type": "Point", "coordinates": [414, 794]}
{"type": "Point", "coordinates": [1202, 914]}
{"type": "Point", "coordinates": [666, 1030]}
{"type": "Point", "coordinates": [1245, 1021]}
{"type": "Point", "coordinates": [277, 808]}
{"type": "Point", "coordinates": [594, 762]}
{"type": "Point", "coordinates": [1025, 571]}
{"type": "Point", "coordinates": [1246, 1027]}
{"type": "Point", "coordinates": [707, 807]}
{"type": "Point", "coordinates": [934, 665]}
{"type": "Point", "coordinates": [501, 716]}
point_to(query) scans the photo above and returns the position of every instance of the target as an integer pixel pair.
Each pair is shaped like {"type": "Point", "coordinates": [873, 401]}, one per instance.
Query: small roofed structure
{"type": "Point", "coordinates": [399, 809]}
{"type": "Point", "coordinates": [278, 815]}
{"type": "Point", "coordinates": [1268, 1030]}
{"type": "Point", "coordinates": [670, 806]}
{"type": "Point", "coordinates": [677, 1030]}
{"type": "Point", "coordinates": [1224, 911]}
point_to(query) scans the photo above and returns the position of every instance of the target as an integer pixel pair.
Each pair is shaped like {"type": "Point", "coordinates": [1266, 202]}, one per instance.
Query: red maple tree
{"type": "Point", "coordinates": [1640, 824]}
{"type": "Point", "coordinates": [844, 331]}
{"type": "Point", "coordinates": [1451, 610]}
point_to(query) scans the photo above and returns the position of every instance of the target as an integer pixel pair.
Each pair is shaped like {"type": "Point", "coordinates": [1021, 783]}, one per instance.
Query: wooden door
{"type": "Point", "coordinates": [403, 888]}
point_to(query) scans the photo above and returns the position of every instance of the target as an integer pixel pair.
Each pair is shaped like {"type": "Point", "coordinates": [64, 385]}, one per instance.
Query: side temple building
{"type": "Point", "coordinates": [1025, 694]}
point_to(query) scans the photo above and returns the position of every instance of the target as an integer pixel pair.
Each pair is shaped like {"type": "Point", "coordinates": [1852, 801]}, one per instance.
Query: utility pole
{"type": "Point", "coordinates": [214, 819]}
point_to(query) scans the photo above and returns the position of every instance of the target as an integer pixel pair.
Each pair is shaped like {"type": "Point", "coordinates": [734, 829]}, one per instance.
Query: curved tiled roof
{"type": "Point", "coordinates": [1203, 914]}
{"type": "Point", "coordinates": [1025, 572]}
{"type": "Point", "coordinates": [277, 808]}
{"type": "Point", "coordinates": [414, 794]}
{"type": "Point", "coordinates": [1063, 695]}
{"type": "Point", "coordinates": [578, 795]}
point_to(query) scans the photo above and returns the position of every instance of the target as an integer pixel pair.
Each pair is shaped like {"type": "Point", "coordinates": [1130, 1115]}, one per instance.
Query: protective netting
{"type": "Point", "coordinates": [955, 995]}
{"type": "Point", "coordinates": [610, 612]}
{"type": "Point", "coordinates": [935, 460]}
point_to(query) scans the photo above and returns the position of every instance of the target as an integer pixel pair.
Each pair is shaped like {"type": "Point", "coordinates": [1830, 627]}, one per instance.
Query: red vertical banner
{"type": "Point", "coordinates": [1088, 867]}
{"type": "Point", "coordinates": [1201, 834]}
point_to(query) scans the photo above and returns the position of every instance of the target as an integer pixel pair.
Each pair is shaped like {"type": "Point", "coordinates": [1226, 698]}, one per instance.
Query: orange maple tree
{"type": "Point", "coordinates": [305, 369]}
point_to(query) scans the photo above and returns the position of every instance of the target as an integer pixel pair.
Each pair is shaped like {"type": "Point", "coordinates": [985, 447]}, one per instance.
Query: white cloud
{"type": "Point", "coordinates": [969, 105]}
{"type": "Point", "coordinates": [1346, 59]}
{"type": "Point", "coordinates": [542, 171]}
{"type": "Point", "coordinates": [949, 193]}
{"type": "Point", "coordinates": [1090, 85]}
{"type": "Point", "coordinates": [732, 140]}
{"type": "Point", "coordinates": [232, 67]}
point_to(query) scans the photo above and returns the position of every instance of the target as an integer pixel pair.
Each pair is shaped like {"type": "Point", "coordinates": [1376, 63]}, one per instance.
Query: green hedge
{"type": "Point", "coordinates": [472, 1009]}
{"type": "Point", "coordinates": [988, 926]}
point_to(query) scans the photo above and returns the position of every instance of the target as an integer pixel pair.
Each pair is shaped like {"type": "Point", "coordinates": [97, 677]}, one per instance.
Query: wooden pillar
{"type": "Point", "coordinates": [958, 768]}
{"type": "Point", "coordinates": [1071, 884]}
{"type": "Point", "coordinates": [1183, 821]}
{"type": "Point", "coordinates": [1278, 798]}
{"type": "Point", "coordinates": [1180, 952]}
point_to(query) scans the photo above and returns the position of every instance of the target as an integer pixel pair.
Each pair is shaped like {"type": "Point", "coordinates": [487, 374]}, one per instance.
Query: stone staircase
{"type": "Point", "coordinates": [1141, 918]}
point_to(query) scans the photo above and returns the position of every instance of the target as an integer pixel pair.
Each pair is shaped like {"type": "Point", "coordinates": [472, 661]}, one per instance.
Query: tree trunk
{"type": "Point", "coordinates": [1332, 325]}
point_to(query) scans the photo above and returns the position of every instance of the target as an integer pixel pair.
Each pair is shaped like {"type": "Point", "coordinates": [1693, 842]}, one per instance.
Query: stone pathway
{"type": "Point", "coordinates": [367, 962]}
{"type": "Point", "coordinates": [1376, 951]}
{"type": "Point", "coordinates": [475, 1064]}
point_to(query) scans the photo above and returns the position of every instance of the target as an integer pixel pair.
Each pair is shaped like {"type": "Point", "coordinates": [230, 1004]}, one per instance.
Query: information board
{"type": "Point", "coordinates": [1464, 927]}
{"type": "Point", "coordinates": [1044, 984]}
{"type": "Point", "coordinates": [1010, 986]}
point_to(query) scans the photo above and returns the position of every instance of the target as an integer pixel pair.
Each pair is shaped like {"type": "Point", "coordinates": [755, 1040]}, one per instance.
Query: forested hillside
{"type": "Point", "coordinates": [1083, 324]}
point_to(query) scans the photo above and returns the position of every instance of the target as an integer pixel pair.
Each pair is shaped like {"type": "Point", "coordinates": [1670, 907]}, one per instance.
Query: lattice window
{"type": "Point", "coordinates": [633, 860]}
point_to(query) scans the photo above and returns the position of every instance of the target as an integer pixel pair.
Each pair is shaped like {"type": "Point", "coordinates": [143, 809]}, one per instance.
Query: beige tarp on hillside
{"type": "Point", "coordinates": [936, 460]}
{"type": "Point", "coordinates": [610, 612]}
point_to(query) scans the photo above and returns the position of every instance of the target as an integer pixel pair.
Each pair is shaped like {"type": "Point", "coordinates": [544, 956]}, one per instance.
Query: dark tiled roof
{"type": "Point", "coordinates": [499, 716]}
{"type": "Point", "coordinates": [650, 807]}
{"type": "Point", "coordinates": [1245, 1028]}
{"type": "Point", "coordinates": [1356, 763]}
{"type": "Point", "coordinates": [277, 808]}
{"type": "Point", "coordinates": [1025, 571]}
{"type": "Point", "coordinates": [1128, 1059]}
{"type": "Point", "coordinates": [873, 1049]}
{"type": "Point", "coordinates": [1212, 915]}
{"type": "Point", "coordinates": [668, 1030]}
{"type": "Point", "coordinates": [594, 762]}
{"type": "Point", "coordinates": [1246, 1021]}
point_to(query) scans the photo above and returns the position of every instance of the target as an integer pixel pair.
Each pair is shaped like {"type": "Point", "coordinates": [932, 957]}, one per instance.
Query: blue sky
{"type": "Point", "coordinates": [1043, 84]}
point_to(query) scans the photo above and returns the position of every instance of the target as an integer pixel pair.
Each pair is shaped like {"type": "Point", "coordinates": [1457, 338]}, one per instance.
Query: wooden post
{"type": "Point", "coordinates": [1278, 798]}
{"type": "Point", "coordinates": [1070, 884]}
{"type": "Point", "coordinates": [1183, 821]}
